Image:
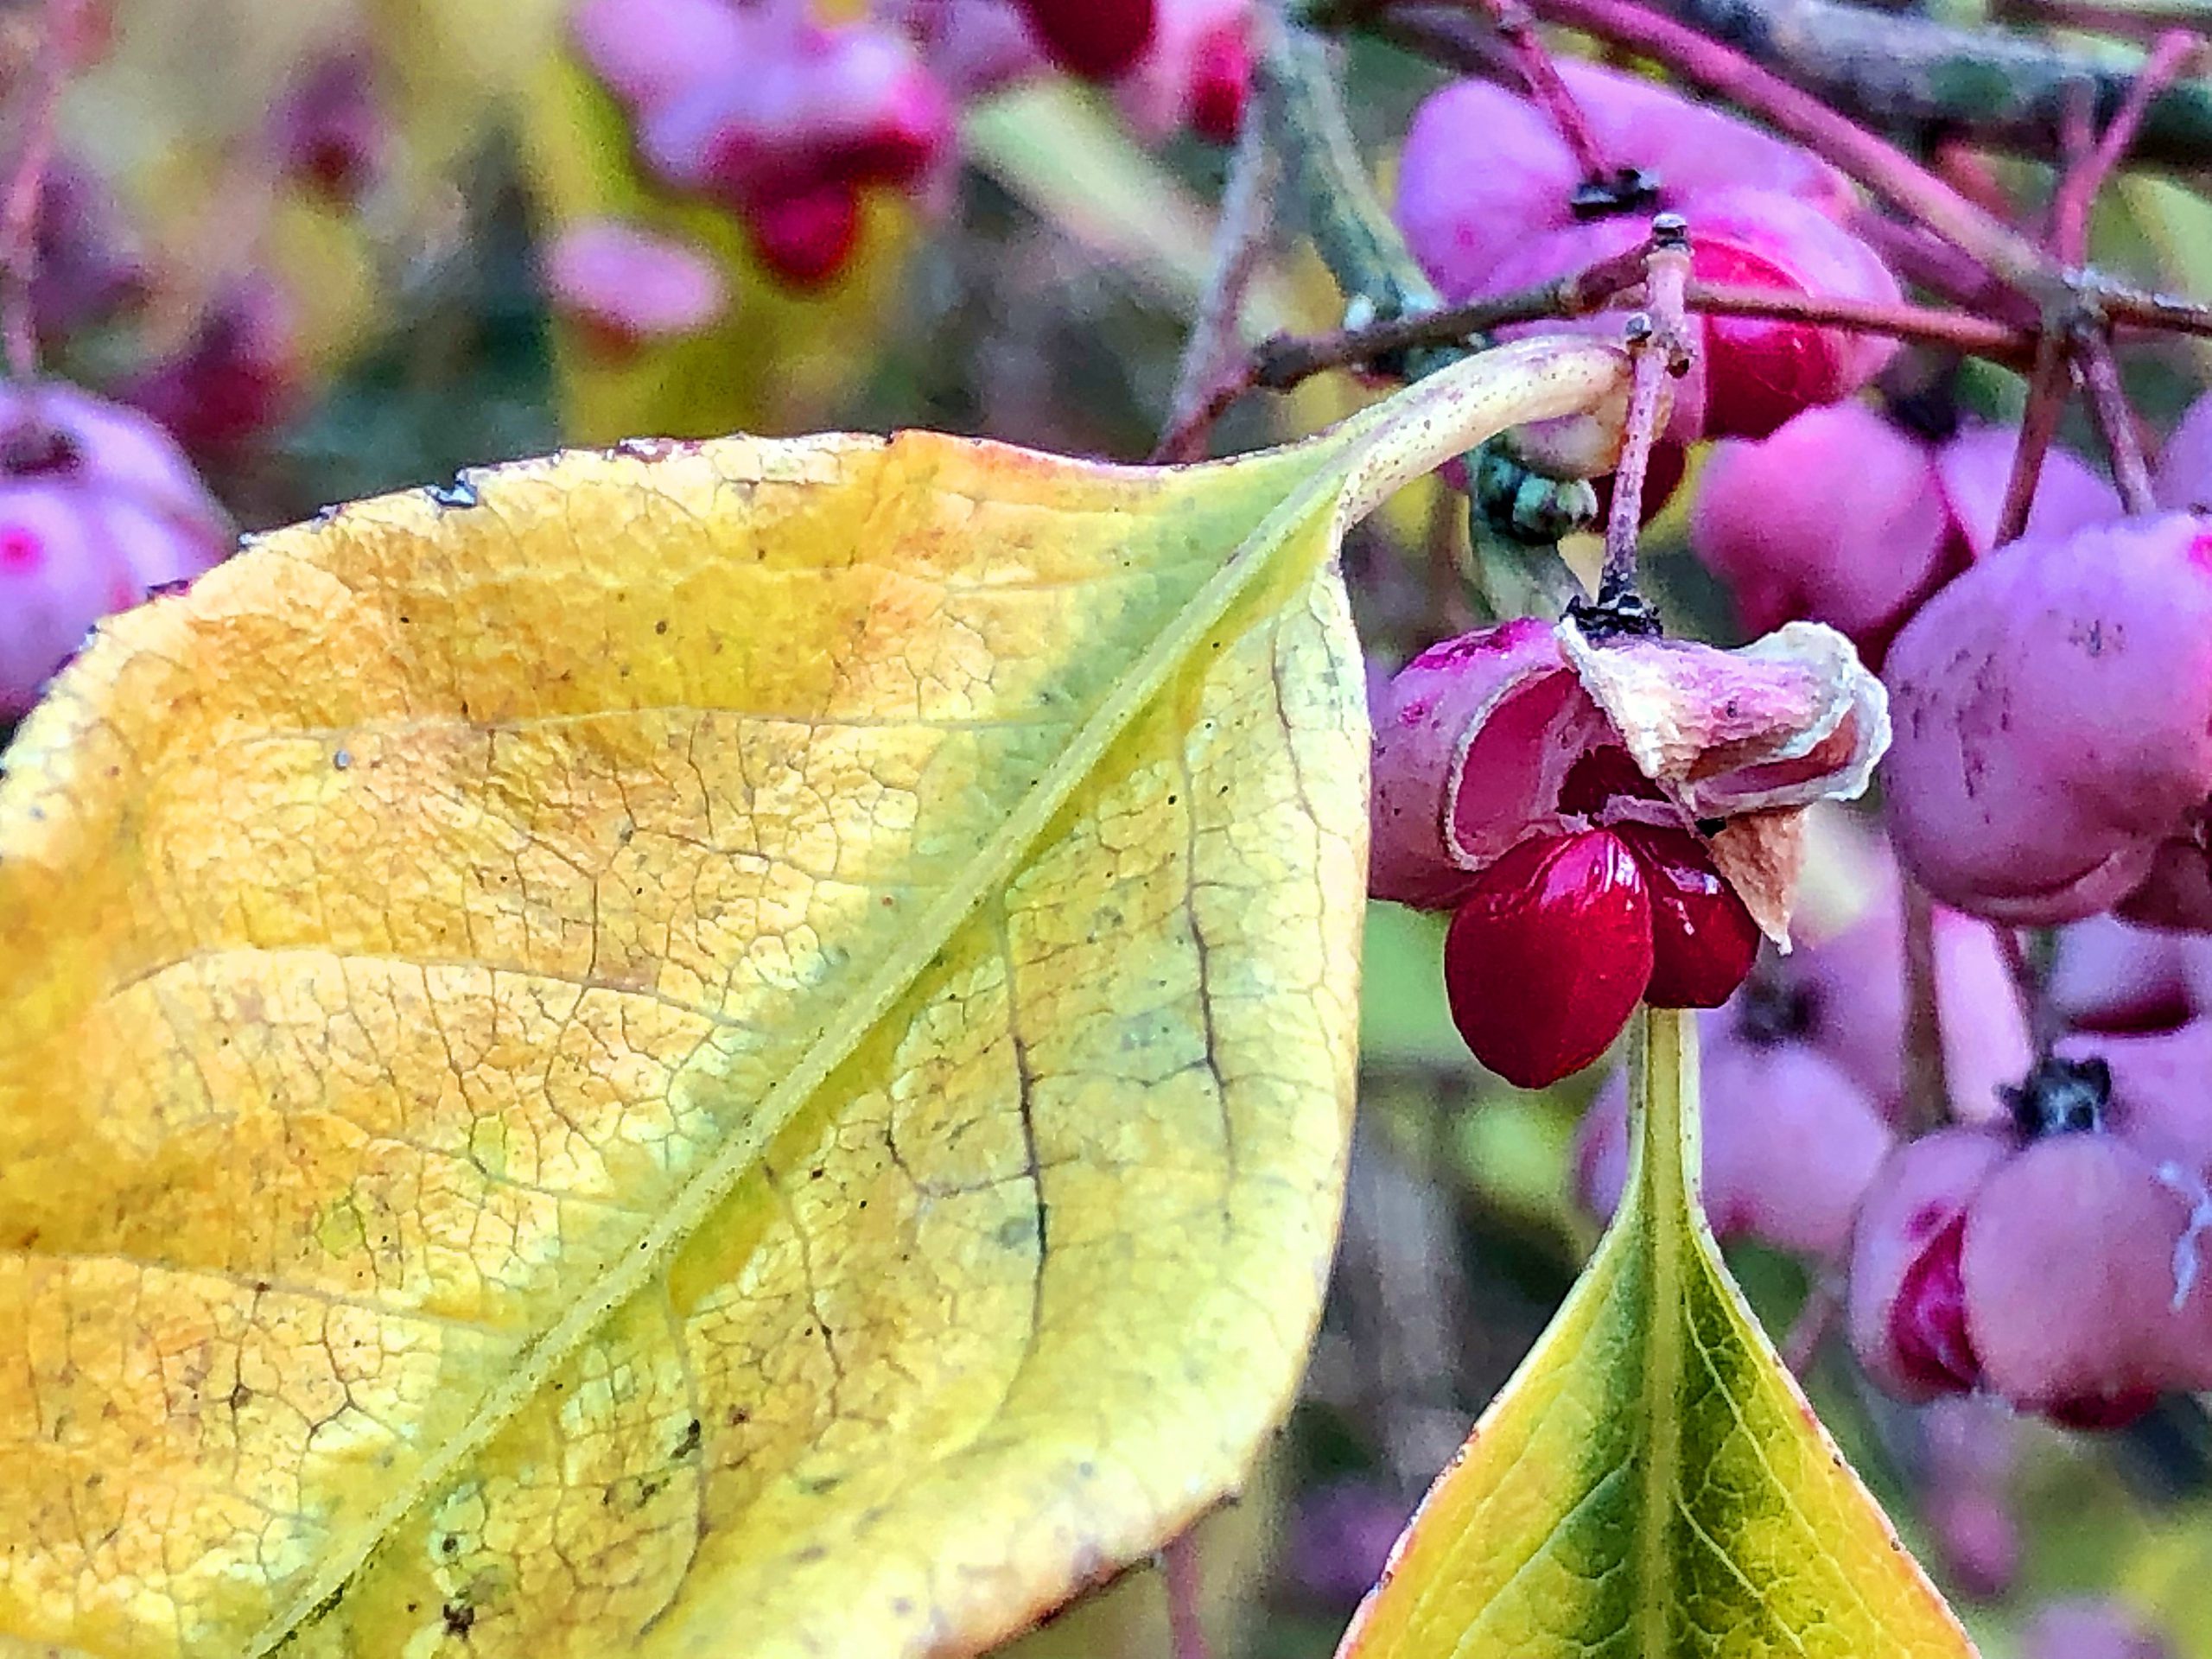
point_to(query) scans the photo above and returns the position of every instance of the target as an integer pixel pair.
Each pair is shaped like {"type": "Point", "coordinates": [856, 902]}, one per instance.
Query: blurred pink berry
{"type": "Point", "coordinates": [1841, 991]}
{"type": "Point", "coordinates": [1790, 1141]}
{"type": "Point", "coordinates": [237, 377]}
{"type": "Point", "coordinates": [98, 508]}
{"type": "Point", "coordinates": [1974, 468]}
{"type": "Point", "coordinates": [625, 286]}
{"type": "Point", "coordinates": [89, 263]}
{"type": "Point", "coordinates": [2183, 479]}
{"type": "Point", "coordinates": [1220, 81]}
{"type": "Point", "coordinates": [1196, 72]}
{"type": "Point", "coordinates": [2067, 1263]}
{"type": "Point", "coordinates": [1099, 40]}
{"type": "Point", "coordinates": [806, 237]}
{"type": "Point", "coordinates": [1845, 517]}
{"type": "Point", "coordinates": [2053, 716]}
{"type": "Point", "coordinates": [1488, 195]}
{"type": "Point", "coordinates": [649, 52]}
{"type": "Point", "coordinates": [1973, 1449]}
{"type": "Point", "coordinates": [329, 130]}
{"type": "Point", "coordinates": [2090, 1630]}
{"type": "Point", "coordinates": [783, 120]}
{"type": "Point", "coordinates": [1484, 169]}
{"type": "Point", "coordinates": [2159, 1089]}
{"type": "Point", "coordinates": [973, 47]}
{"type": "Point", "coordinates": [1906, 1308]}
{"type": "Point", "coordinates": [2107, 976]}
{"type": "Point", "coordinates": [1835, 518]}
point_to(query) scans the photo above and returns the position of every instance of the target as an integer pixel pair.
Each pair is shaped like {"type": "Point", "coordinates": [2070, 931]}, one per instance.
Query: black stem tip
{"type": "Point", "coordinates": [2061, 1096]}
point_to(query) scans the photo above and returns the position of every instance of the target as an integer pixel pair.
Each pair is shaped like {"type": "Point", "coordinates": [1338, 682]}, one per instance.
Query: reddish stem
{"type": "Point", "coordinates": [26, 193]}
{"type": "Point", "coordinates": [1927, 1082]}
{"type": "Point", "coordinates": [1816, 1317]}
{"type": "Point", "coordinates": [1179, 1566]}
{"type": "Point", "coordinates": [1213, 372]}
{"type": "Point", "coordinates": [2098, 373]}
{"type": "Point", "coordinates": [2085, 176]}
{"type": "Point", "coordinates": [1287, 359]}
{"type": "Point", "coordinates": [2038, 425]}
{"type": "Point", "coordinates": [1976, 336]}
{"type": "Point", "coordinates": [1549, 90]}
{"type": "Point", "coordinates": [1661, 350]}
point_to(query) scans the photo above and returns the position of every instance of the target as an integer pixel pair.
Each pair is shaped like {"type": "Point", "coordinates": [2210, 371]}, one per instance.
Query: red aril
{"type": "Point", "coordinates": [1221, 82]}
{"type": "Point", "coordinates": [1702, 938]}
{"type": "Point", "coordinates": [1099, 40]}
{"type": "Point", "coordinates": [806, 237]}
{"type": "Point", "coordinates": [1547, 955]}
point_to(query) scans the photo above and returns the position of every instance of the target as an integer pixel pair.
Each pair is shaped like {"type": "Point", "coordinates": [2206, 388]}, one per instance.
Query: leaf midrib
{"type": "Point", "coordinates": [993, 866]}
{"type": "Point", "coordinates": [1666, 1141]}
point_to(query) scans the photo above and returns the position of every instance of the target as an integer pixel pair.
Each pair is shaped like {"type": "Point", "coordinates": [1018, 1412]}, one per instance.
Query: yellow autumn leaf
{"type": "Point", "coordinates": [1651, 1484]}
{"type": "Point", "coordinates": [737, 1047]}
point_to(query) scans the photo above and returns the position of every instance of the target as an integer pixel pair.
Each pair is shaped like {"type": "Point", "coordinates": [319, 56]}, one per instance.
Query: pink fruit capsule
{"type": "Point", "coordinates": [2053, 717]}
{"type": "Point", "coordinates": [1546, 958]}
{"type": "Point", "coordinates": [2081, 1279]}
{"type": "Point", "coordinates": [1906, 1310]}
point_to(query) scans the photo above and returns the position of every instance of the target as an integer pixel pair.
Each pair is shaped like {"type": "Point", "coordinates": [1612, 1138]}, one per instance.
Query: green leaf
{"type": "Point", "coordinates": [1651, 1484]}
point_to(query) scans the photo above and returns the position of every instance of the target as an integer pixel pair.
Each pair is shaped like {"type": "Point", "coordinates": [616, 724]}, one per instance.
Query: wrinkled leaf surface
{"type": "Point", "coordinates": [736, 1048]}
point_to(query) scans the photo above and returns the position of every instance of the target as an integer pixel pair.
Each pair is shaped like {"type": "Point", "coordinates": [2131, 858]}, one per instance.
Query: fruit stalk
{"type": "Point", "coordinates": [1659, 343]}
{"type": "Point", "coordinates": [1209, 375]}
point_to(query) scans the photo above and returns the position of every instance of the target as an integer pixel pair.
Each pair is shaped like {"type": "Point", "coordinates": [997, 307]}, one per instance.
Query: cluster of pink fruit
{"type": "Point", "coordinates": [2051, 768]}
{"type": "Point", "coordinates": [787, 121]}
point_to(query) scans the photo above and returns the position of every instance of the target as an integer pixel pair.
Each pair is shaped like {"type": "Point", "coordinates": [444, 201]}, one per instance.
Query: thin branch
{"type": "Point", "coordinates": [1896, 70]}
{"type": "Point", "coordinates": [2164, 312]}
{"type": "Point", "coordinates": [1212, 359]}
{"type": "Point", "coordinates": [2078, 188]}
{"type": "Point", "coordinates": [1927, 1082]}
{"type": "Point", "coordinates": [2099, 376]}
{"type": "Point", "coordinates": [1873, 160]}
{"type": "Point", "coordinates": [1352, 232]}
{"type": "Point", "coordinates": [1548, 90]}
{"type": "Point", "coordinates": [1975, 336]}
{"type": "Point", "coordinates": [1816, 1317]}
{"type": "Point", "coordinates": [2142, 24]}
{"type": "Point", "coordinates": [1285, 360]}
{"type": "Point", "coordinates": [1179, 1566]}
{"type": "Point", "coordinates": [2038, 426]}
{"type": "Point", "coordinates": [1660, 347]}
{"type": "Point", "coordinates": [19, 212]}
{"type": "Point", "coordinates": [2030, 971]}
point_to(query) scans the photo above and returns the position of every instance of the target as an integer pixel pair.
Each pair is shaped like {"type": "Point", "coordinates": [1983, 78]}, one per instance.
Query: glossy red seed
{"type": "Point", "coordinates": [1099, 40]}
{"type": "Point", "coordinates": [1702, 938]}
{"type": "Point", "coordinates": [1928, 1321]}
{"type": "Point", "coordinates": [1546, 958]}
